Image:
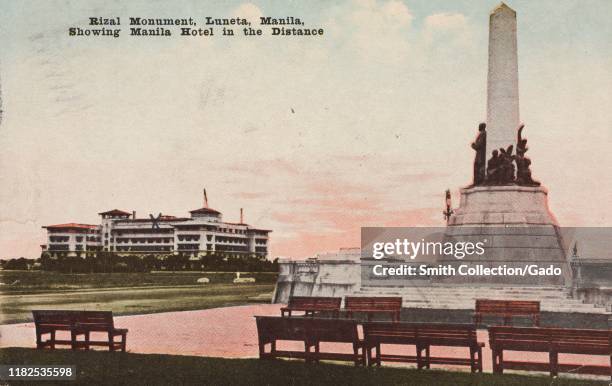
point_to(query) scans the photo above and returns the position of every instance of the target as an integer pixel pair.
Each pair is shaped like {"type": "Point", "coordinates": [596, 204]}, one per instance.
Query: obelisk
{"type": "Point", "coordinates": [514, 218]}
{"type": "Point", "coordinates": [502, 80]}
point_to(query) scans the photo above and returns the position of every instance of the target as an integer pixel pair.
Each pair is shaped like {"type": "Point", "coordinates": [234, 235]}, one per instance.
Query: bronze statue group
{"type": "Point", "coordinates": [503, 168]}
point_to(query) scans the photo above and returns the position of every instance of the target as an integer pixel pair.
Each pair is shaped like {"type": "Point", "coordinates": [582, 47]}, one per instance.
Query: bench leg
{"type": "Point", "coordinates": [378, 358]}
{"type": "Point", "coordinates": [368, 351]}
{"type": "Point", "coordinates": [419, 357]}
{"type": "Point", "coordinates": [480, 359]}
{"type": "Point", "coordinates": [52, 343]}
{"type": "Point", "coordinates": [310, 356]}
{"type": "Point", "coordinates": [473, 360]}
{"type": "Point", "coordinates": [262, 349]}
{"type": "Point", "coordinates": [498, 361]}
{"type": "Point", "coordinates": [39, 344]}
{"type": "Point", "coordinates": [73, 340]}
{"type": "Point", "coordinates": [364, 360]}
{"type": "Point", "coordinates": [123, 342]}
{"type": "Point", "coordinates": [356, 354]}
{"type": "Point", "coordinates": [554, 363]}
{"type": "Point", "coordinates": [307, 357]}
{"type": "Point", "coordinates": [111, 342]}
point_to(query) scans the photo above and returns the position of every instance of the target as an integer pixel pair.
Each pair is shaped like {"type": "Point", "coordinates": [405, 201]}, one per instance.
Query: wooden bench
{"type": "Point", "coordinates": [423, 336]}
{"type": "Point", "coordinates": [309, 305]}
{"type": "Point", "coordinates": [78, 323]}
{"type": "Point", "coordinates": [373, 305]}
{"type": "Point", "coordinates": [553, 341]}
{"type": "Point", "coordinates": [311, 332]}
{"type": "Point", "coordinates": [507, 309]}
{"type": "Point", "coordinates": [51, 322]}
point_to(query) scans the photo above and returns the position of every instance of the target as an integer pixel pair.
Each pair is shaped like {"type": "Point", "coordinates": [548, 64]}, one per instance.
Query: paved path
{"type": "Point", "coordinates": [227, 332]}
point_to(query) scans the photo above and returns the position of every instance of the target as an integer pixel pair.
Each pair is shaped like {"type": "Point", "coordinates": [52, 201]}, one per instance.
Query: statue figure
{"type": "Point", "coordinates": [493, 168]}
{"type": "Point", "coordinates": [506, 168]}
{"type": "Point", "coordinates": [523, 172]}
{"type": "Point", "coordinates": [480, 145]}
{"type": "Point", "coordinates": [500, 169]}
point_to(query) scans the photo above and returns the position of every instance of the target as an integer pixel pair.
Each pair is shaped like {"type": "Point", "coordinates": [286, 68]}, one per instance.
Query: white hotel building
{"type": "Point", "coordinates": [201, 234]}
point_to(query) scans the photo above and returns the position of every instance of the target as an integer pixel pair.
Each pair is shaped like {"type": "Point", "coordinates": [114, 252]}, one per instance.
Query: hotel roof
{"type": "Point", "coordinates": [115, 212]}
{"type": "Point", "coordinates": [205, 211]}
{"type": "Point", "coordinates": [71, 225]}
{"type": "Point", "coordinates": [164, 218]}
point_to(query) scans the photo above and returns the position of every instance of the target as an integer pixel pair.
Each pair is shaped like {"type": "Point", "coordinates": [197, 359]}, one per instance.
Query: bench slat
{"type": "Point", "coordinates": [507, 309]}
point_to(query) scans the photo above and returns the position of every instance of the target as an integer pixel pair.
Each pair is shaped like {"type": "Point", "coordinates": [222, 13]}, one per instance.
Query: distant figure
{"type": "Point", "coordinates": [480, 160]}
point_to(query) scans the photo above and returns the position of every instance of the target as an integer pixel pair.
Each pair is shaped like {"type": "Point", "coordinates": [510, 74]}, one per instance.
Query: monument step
{"type": "Point", "coordinates": [554, 299]}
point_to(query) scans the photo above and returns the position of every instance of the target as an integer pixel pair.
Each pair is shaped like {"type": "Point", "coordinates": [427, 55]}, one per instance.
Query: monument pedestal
{"type": "Point", "coordinates": [518, 230]}
{"type": "Point", "coordinates": [503, 205]}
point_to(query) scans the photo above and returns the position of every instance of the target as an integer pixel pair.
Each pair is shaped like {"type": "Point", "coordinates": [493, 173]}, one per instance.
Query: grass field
{"type": "Point", "coordinates": [24, 282]}
{"type": "Point", "coordinates": [139, 369]}
{"type": "Point", "coordinates": [125, 293]}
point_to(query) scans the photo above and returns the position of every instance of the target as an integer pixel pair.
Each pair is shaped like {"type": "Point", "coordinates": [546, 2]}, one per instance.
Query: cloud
{"type": "Point", "coordinates": [376, 31]}
{"type": "Point", "coordinates": [397, 11]}
{"type": "Point", "coordinates": [249, 11]}
{"type": "Point", "coordinates": [446, 21]}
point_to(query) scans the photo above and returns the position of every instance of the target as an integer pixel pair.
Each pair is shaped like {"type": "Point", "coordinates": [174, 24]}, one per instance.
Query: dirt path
{"type": "Point", "coordinates": [137, 300]}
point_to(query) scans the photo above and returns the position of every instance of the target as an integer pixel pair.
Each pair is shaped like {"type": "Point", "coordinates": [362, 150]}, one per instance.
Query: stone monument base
{"type": "Point", "coordinates": [518, 230]}
{"type": "Point", "coordinates": [506, 205]}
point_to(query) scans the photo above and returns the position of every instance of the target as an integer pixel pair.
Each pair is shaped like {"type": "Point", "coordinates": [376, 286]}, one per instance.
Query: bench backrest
{"type": "Point", "coordinates": [315, 302]}
{"type": "Point", "coordinates": [333, 330]}
{"type": "Point", "coordinates": [271, 328]}
{"type": "Point", "coordinates": [509, 307]}
{"type": "Point", "coordinates": [563, 340]}
{"type": "Point", "coordinates": [381, 303]}
{"type": "Point", "coordinates": [93, 320]}
{"type": "Point", "coordinates": [53, 318]}
{"type": "Point", "coordinates": [444, 334]}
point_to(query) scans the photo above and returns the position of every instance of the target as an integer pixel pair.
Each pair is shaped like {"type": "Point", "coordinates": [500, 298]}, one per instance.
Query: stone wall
{"type": "Point", "coordinates": [593, 281]}
{"type": "Point", "coordinates": [315, 277]}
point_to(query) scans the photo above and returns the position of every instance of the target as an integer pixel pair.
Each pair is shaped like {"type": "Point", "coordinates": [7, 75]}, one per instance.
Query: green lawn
{"type": "Point", "coordinates": [125, 293]}
{"type": "Point", "coordinates": [138, 369]}
{"type": "Point", "coordinates": [26, 282]}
